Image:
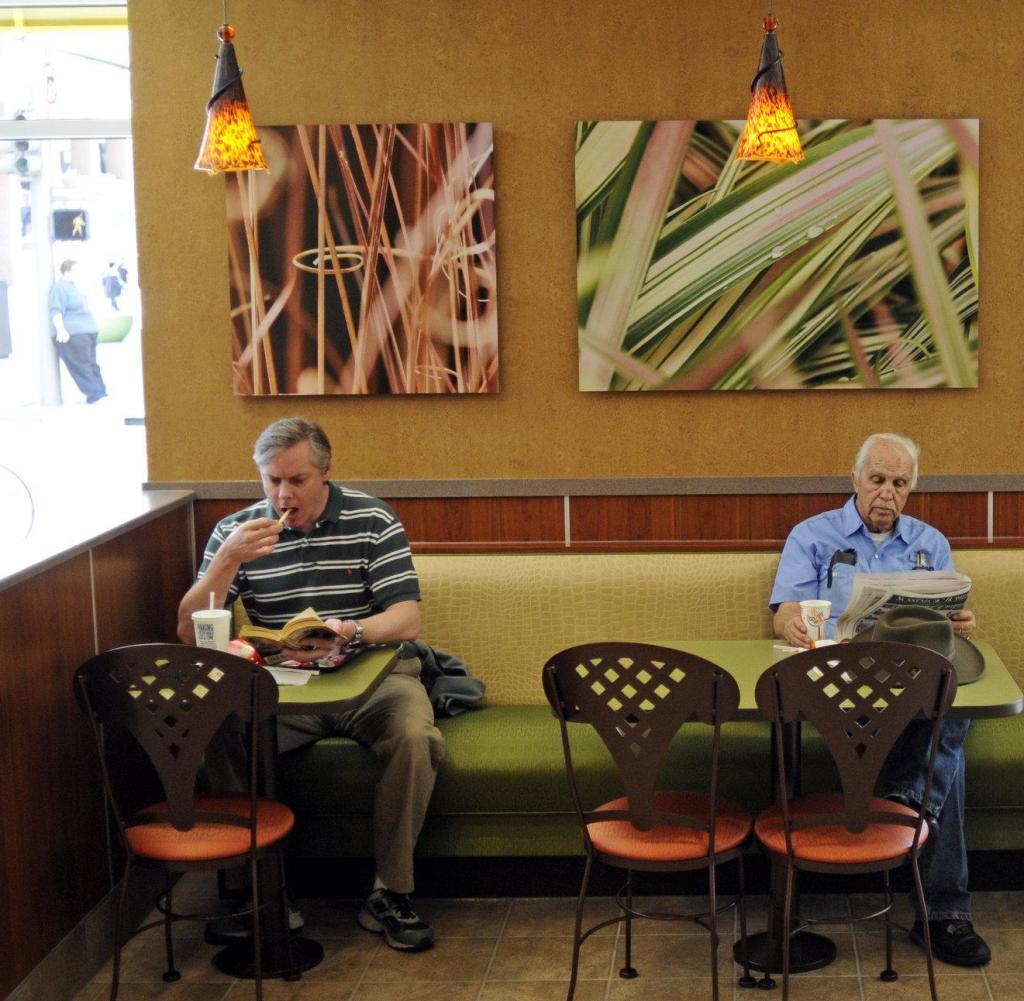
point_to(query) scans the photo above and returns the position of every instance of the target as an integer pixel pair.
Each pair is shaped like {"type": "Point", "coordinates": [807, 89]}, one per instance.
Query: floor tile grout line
{"type": "Point", "coordinates": [856, 952]}
{"type": "Point", "coordinates": [497, 943]}
{"type": "Point", "coordinates": [858, 972]}
{"type": "Point", "coordinates": [369, 962]}
{"type": "Point", "coordinates": [611, 962]}
{"type": "Point", "coordinates": [988, 985]}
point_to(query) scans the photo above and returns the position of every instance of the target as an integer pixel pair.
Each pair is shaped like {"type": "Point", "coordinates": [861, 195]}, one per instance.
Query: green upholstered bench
{"type": "Point", "coordinates": [501, 788]}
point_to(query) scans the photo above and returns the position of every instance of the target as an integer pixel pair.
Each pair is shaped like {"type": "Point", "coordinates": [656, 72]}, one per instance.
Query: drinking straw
{"type": "Point", "coordinates": [213, 599]}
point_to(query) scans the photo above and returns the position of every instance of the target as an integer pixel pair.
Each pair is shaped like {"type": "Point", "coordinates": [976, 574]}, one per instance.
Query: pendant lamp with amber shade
{"type": "Point", "coordinates": [770, 132]}
{"type": "Point", "coordinates": [230, 142]}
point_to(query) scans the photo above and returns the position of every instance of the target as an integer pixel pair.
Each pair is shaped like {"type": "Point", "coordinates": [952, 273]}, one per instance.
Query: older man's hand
{"type": "Point", "coordinates": [964, 622]}
{"type": "Point", "coordinates": [795, 632]}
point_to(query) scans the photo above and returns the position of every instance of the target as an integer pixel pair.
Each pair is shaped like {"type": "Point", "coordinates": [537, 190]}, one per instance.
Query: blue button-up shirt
{"type": "Point", "coordinates": [803, 567]}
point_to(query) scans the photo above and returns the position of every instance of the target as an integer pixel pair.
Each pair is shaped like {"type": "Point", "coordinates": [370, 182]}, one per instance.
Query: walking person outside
{"type": "Point", "coordinates": [76, 333]}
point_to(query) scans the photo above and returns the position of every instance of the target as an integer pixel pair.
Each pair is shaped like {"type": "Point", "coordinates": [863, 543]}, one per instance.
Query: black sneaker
{"type": "Point", "coordinates": [234, 927]}
{"type": "Point", "coordinates": [392, 915]}
{"type": "Point", "coordinates": [953, 941]}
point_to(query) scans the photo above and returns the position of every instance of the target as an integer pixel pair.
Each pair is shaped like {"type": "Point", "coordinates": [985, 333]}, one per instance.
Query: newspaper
{"type": "Point", "coordinates": [875, 593]}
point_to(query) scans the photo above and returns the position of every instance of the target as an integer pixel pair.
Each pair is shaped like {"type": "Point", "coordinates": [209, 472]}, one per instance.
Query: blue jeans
{"type": "Point", "coordinates": [944, 856]}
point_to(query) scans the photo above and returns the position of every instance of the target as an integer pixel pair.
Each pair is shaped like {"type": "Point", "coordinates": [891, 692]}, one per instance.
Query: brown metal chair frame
{"type": "Point", "coordinates": [860, 698]}
{"type": "Point", "coordinates": [637, 696]}
{"type": "Point", "coordinates": [173, 699]}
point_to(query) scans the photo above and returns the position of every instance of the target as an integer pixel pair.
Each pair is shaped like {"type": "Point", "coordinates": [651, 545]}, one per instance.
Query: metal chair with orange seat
{"type": "Point", "coordinates": [172, 700]}
{"type": "Point", "coordinates": [637, 696]}
{"type": "Point", "coordinates": [860, 698]}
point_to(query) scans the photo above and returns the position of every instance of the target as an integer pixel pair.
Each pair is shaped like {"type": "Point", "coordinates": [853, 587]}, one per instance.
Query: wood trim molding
{"type": "Point", "coordinates": [649, 486]}
{"type": "Point", "coordinates": [654, 523]}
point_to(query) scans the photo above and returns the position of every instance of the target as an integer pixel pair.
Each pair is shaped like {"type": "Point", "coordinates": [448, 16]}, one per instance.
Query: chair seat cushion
{"type": "Point", "coordinates": [209, 840]}
{"type": "Point", "coordinates": [671, 842]}
{"type": "Point", "coordinates": [834, 843]}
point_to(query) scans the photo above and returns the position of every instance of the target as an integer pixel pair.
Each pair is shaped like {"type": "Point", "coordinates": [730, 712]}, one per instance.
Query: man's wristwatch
{"type": "Point", "coordinates": [357, 636]}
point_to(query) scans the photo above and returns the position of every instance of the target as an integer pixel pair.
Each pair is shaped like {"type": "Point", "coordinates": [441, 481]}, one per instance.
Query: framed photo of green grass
{"type": "Point", "coordinates": [364, 262]}
{"type": "Point", "coordinates": [855, 269]}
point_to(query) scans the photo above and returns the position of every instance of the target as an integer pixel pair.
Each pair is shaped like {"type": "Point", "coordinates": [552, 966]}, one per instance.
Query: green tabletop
{"type": "Point", "coordinates": [995, 693]}
{"type": "Point", "coordinates": [345, 688]}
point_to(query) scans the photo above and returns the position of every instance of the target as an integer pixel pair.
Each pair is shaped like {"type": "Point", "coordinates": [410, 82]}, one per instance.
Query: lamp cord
{"type": "Point", "coordinates": [225, 21]}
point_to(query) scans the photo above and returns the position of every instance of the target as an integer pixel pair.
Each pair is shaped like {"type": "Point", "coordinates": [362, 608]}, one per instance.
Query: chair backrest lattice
{"type": "Point", "coordinates": [860, 697]}
{"type": "Point", "coordinates": [173, 699]}
{"type": "Point", "coordinates": [637, 696]}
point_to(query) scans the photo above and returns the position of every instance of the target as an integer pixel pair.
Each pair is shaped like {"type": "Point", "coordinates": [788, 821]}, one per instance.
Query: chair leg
{"type": "Point", "coordinates": [171, 975]}
{"type": "Point", "coordinates": [788, 930]}
{"type": "Point", "coordinates": [628, 972]}
{"type": "Point", "coordinates": [922, 909]}
{"type": "Point", "coordinates": [578, 927]}
{"type": "Point", "coordinates": [257, 938]}
{"type": "Point", "coordinates": [713, 927]}
{"type": "Point", "coordinates": [746, 980]}
{"type": "Point", "coordinates": [888, 974]}
{"type": "Point", "coordinates": [122, 898]}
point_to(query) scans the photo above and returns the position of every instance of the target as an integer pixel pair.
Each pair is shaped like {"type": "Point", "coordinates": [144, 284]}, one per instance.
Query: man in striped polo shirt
{"type": "Point", "coordinates": [345, 554]}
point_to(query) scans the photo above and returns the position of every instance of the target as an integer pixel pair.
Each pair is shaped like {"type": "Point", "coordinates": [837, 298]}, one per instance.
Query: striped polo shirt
{"type": "Point", "coordinates": [355, 562]}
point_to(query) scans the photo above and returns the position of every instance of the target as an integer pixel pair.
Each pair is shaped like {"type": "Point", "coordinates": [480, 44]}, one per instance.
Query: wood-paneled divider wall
{"type": "Point", "coordinates": [54, 839]}
{"type": "Point", "coordinates": [678, 522]}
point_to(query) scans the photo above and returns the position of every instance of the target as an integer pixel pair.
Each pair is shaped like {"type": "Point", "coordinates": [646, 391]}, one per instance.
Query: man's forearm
{"type": "Point", "coordinates": [399, 622]}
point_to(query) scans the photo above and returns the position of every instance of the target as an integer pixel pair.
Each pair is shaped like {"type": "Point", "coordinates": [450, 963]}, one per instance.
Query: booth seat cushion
{"type": "Point", "coordinates": [503, 760]}
{"type": "Point", "coordinates": [501, 789]}
{"type": "Point", "coordinates": [506, 614]}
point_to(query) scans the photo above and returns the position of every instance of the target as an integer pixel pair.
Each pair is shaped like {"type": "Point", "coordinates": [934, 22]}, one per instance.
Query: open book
{"type": "Point", "coordinates": [306, 625]}
{"type": "Point", "coordinates": [875, 593]}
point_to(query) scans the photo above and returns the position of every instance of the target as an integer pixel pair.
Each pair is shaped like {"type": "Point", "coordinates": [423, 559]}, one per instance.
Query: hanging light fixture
{"type": "Point", "coordinates": [770, 132]}
{"type": "Point", "coordinates": [230, 142]}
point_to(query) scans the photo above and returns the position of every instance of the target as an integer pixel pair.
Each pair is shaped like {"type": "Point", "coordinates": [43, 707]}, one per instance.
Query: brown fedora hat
{"type": "Point", "coordinates": [929, 628]}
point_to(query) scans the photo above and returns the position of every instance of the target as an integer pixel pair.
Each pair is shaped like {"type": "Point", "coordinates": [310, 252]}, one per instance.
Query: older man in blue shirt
{"type": "Point", "coordinates": [870, 534]}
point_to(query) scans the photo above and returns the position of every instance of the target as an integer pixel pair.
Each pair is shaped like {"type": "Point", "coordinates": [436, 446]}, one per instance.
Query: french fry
{"type": "Point", "coordinates": [284, 515]}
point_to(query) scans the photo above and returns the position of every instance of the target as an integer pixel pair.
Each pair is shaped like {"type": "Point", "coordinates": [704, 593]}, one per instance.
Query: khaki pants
{"type": "Point", "coordinates": [397, 724]}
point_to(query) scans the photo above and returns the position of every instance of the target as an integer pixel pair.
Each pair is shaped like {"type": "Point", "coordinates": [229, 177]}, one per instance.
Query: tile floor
{"type": "Point", "coordinates": [519, 950]}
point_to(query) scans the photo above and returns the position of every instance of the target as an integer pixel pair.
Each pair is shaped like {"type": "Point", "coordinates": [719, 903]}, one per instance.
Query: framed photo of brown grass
{"type": "Point", "coordinates": [855, 269]}
{"type": "Point", "coordinates": [364, 262]}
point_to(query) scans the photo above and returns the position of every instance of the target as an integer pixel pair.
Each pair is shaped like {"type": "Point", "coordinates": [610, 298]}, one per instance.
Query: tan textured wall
{"type": "Point", "coordinates": [533, 67]}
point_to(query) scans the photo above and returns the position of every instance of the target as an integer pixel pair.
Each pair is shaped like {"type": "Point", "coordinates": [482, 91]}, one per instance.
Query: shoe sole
{"type": "Point", "coordinates": [369, 923]}
{"type": "Point", "coordinates": [945, 957]}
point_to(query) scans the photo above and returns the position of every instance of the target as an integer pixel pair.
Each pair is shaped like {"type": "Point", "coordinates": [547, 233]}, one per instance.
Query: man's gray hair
{"type": "Point", "coordinates": [894, 439]}
{"type": "Point", "coordinates": [290, 431]}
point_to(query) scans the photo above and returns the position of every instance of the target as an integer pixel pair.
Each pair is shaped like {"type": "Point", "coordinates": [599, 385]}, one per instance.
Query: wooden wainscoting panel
{"type": "Point", "coordinates": [456, 520]}
{"type": "Point", "coordinates": [447, 521]}
{"type": "Point", "coordinates": [207, 514]}
{"type": "Point", "coordinates": [642, 519]}
{"type": "Point", "coordinates": [961, 517]}
{"type": "Point", "coordinates": [652, 521]}
{"type": "Point", "coordinates": [140, 579]}
{"type": "Point", "coordinates": [701, 519]}
{"type": "Point", "coordinates": [1008, 517]}
{"type": "Point", "coordinates": [771, 517]}
{"type": "Point", "coordinates": [51, 795]}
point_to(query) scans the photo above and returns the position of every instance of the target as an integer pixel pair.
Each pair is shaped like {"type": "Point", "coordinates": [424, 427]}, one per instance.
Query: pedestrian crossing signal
{"type": "Point", "coordinates": [70, 224]}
